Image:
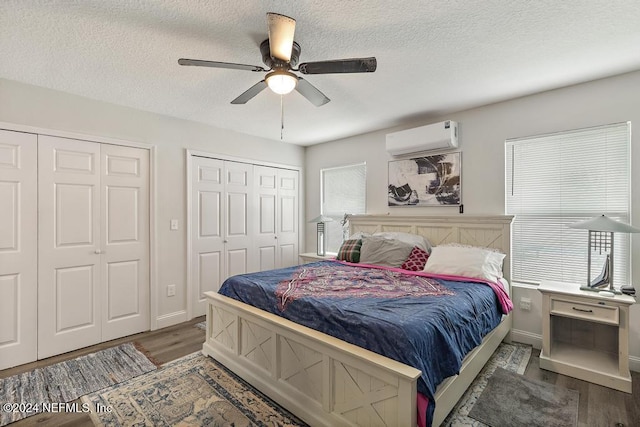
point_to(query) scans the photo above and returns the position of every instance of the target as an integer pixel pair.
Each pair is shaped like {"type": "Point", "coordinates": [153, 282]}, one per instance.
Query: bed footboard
{"type": "Point", "coordinates": [323, 380]}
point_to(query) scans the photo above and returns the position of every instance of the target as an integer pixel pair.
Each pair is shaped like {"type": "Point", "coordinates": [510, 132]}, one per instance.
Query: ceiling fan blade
{"type": "Point", "coordinates": [311, 92]}
{"type": "Point", "coordinates": [281, 32]}
{"type": "Point", "coordinates": [214, 64]}
{"type": "Point", "coordinates": [354, 65]}
{"type": "Point", "coordinates": [250, 93]}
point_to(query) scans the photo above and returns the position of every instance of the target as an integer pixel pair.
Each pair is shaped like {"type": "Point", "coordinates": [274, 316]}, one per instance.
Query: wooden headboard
{"type": "Point", "coordinates": [484, 231]}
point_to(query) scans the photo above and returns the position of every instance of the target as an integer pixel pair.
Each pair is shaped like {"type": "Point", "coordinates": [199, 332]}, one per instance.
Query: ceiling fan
{"type": "Point", "coordinates": [280, 53]}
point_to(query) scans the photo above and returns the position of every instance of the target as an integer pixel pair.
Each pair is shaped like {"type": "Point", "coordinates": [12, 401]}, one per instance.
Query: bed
{"type": "Point", "coordinates": [327, 381]}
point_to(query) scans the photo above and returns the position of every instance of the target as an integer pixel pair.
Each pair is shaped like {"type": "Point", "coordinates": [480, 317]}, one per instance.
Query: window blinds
{"type": "Point", "coordinates": [343, 191]}
{"type": "Point", "coordinates": [558, 179]}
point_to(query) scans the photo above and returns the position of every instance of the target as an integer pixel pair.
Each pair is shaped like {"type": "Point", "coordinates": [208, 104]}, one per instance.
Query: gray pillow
{"type": "Point", "coordinates": [381, 251]}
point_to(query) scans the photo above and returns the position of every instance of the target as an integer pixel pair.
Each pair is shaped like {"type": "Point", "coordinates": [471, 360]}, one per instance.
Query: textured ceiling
{"type": "Point", "coordinates": [433, 56]}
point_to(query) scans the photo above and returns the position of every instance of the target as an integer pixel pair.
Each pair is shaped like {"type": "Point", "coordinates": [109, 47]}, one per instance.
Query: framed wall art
{"type": "Point", "coordinates": [426, 181]}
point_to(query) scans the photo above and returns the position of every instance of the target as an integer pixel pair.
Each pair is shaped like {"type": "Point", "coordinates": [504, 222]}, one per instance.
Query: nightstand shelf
{"type": "Point", "coordinates": [583, 358]}
{"type": "Point", "coordinates": [586, 335]}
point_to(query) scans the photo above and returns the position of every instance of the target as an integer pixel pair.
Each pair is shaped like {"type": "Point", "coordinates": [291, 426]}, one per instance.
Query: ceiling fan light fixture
{"type": "Point", "coordinates": [281, 82]}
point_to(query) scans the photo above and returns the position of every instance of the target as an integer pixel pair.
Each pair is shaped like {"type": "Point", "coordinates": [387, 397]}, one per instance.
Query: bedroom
{"type": "Point", "coordinates": [483, 132]}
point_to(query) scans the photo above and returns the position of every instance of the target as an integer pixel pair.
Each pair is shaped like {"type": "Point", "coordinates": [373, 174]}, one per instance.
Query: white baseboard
{"type": "Point", "coordinates": [525, 337]}
{"type": "Point", "coordinates": [171, 319]}
{"type": "Point", "coordinates": [634, 363]}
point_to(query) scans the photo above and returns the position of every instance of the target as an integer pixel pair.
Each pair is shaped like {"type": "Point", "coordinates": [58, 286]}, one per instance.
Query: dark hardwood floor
{"type": "Point", "coordinates": [599, 406]}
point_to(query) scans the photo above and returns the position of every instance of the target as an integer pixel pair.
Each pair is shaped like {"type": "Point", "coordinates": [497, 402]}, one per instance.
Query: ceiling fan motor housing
{"type": "Point", "coordinates": [278, 64]}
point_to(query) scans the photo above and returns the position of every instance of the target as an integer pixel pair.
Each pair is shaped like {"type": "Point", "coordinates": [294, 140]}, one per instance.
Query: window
{"type": "Point", "coordinates": [343, 190]}
{"type": "Point", "coordinates": [558, 179]}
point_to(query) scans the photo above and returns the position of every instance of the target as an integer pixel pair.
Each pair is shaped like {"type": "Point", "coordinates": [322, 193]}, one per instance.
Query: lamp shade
{"type": "Point", "coordinates": [604, 223]}
{"type": "Point", "coordinates": [321, 218]}
{"type": "Point", "coordinates": [281, 31]}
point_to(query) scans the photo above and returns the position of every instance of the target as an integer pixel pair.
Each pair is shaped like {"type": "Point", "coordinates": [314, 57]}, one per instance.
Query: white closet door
{"type": "Point", "coordinates": [288, 182]}
{"type": "Point", "coordinates": [207, 234]}
{"type": "Point", "coordinates": [125, 241]}
{"type": "Point", "coordinates": [18, 248]}
{"type": "Point", "coordinates": [266, 237]}
{"type": "Point", "coordinates": [68, 245]}
{"type": "Point", "coordinates": [238, 230]}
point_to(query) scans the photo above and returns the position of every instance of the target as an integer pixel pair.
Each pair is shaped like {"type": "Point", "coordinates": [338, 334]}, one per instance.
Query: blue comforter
{"type": "Point", "coordinates": [430, 325]}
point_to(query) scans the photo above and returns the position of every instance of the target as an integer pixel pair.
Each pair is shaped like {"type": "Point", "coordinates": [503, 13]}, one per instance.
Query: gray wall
{"type": "Point", "coordinates": [483, 132]}
{"type": "Point", "coordinates": [34, 106]}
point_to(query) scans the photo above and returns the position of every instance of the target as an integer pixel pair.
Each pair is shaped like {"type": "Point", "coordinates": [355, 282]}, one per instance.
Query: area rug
{"type": "Point", "coordinates": [192, 391]}
{"type": "Point", "coordinates": [512, 357]}
{"type": "Point", "coordinates": [68, 380]}
{"type": "Point", "coordinates": [512, 400]}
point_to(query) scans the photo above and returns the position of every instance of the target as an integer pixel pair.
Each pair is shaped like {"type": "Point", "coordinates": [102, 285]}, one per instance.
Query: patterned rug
{"type": "Point", "coordinates": [524, 402]}
{"type": "Point", "coordinates": [512, 357]}
{"type": "Point", "coordinates": [68, 380]}
{"type": "Point", "coordinates": [196, 390]}
{"type": "Point", "coordinates": [192, 391]}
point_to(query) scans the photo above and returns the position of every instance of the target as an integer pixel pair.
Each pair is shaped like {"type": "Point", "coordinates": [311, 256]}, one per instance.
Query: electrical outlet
{"type": "Point", "coordinates": [525, 304]}
{"type": "Point", "coordinates": [171, 290]}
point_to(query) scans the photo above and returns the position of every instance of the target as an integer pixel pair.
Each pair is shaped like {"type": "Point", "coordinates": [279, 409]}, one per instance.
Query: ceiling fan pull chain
{"type": "Point", "coordinates": [281, 116]}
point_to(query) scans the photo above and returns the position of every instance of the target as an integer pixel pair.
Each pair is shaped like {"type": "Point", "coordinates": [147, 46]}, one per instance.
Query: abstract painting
{"type": "Point", "coordinates": [425, 181]}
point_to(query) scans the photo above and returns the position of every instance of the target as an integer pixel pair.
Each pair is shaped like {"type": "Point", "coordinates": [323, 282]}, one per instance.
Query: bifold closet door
{"type": "Point", "coordinates": [288, 182]}
{"type": "Point", "coordinates": [69, 246]}
{"type": "Point", "coordinates": [18, 248]}
{"type": "Point", "coordinates": [276, 235]}
{"type": "Point", "coordinates": [207, 235]}
{"type": "Point", "coordinates": [238, 225]}
{"type": "Point", "coordinates": [221, 225]}
{"type": "Point", "coordinates": [266, 238]}
{"type": "Point", "coordinates": [93, 245]}
{"type": "Point", "coordinates": [124, 235]}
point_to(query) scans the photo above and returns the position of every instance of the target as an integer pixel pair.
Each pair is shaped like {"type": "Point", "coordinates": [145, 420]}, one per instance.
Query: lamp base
{"type": "Point", "coordinates": [613, 291]}
{"type": "Point", "coordinates": [628, 290]}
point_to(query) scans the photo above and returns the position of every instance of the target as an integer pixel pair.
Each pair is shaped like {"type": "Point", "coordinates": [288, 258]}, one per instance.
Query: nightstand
{"type": "Point", "coordinates": [312, 257]}
{"type": "Point", "coordinates": [586, 335]}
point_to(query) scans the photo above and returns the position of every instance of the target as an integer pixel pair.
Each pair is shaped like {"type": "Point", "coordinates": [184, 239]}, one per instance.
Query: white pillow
{"type": "Point", "coordinates": [464, 261]}
{"type": "Point", "coordinates": [412, 239]}
{"type": "Point", "coordinates": [378, 250]}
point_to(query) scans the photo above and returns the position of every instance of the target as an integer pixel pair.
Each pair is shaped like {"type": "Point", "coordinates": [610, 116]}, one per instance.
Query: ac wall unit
{"type": "Point", "coordinates": [438, 136]}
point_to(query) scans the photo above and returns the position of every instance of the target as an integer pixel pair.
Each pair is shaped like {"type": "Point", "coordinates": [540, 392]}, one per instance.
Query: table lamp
{"type": "Point", "coordinates": [321, 244]}
{"type": "Point", "coordinates": [601, 229]}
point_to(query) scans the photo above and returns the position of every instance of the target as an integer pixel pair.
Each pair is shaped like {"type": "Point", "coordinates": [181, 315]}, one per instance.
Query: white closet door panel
{"type": "Point", "coordinates": [210, 268]}
{"type": "Point", "coordinates": [266, 237]}
{"type": "Point", "coordinates": [74, 284]}
{"type": "Point", "coordinates": [207, 229]}
{"type": "Point", "coordinates": [239, 245]}
{"type": "Point", "coordinates": [18, 248]}
{"type": "Point", "coordinates": [237, 261]}
{"type": "Point", "coordinates": [68, 245]}
{"type": "Point", "coordinates": [237, 218]}
{"type": "Point", "coordinates": [125, 235]}
{"type": "Point", "coordinates": [288, 202]}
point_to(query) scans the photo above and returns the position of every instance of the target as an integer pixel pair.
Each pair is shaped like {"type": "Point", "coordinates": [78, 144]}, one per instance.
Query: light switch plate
{"type": "Point", "coordinates": [174, 224]}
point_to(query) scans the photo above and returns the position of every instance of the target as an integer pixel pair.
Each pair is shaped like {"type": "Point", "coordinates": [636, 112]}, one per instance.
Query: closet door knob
{"type": "Point", "coordinates": [98, 252]}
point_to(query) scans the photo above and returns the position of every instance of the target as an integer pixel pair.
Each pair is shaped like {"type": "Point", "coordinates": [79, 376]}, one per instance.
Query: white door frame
{"type": "Point", "coordinates": [153, 248]}
{"type": "Point", "coordinates": [188, 158]}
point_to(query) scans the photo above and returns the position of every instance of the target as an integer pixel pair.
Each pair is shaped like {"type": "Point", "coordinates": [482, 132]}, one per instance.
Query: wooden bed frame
{"type": "Point", "coordinates": [328, 382]}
